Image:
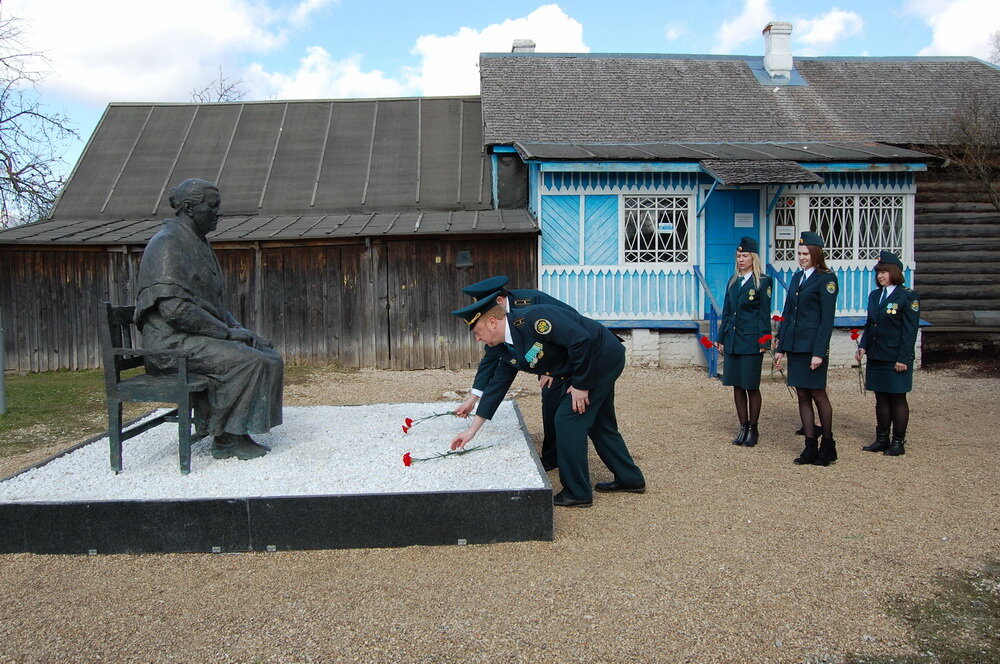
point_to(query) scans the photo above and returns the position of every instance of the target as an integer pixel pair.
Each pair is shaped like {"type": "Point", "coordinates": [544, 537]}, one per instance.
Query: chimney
{"type": "Point", "coordinates": [778, 49]}
{"type": "Point", "coordinates": [523, 46]}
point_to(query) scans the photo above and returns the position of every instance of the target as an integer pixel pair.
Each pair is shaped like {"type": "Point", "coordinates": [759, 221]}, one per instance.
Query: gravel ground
{"type": "Point", "coordinates": [732, 555]}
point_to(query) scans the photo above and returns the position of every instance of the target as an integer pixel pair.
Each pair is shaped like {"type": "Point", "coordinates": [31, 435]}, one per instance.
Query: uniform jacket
{"type": "Point", "coordinates": [746, 315]}
{"type": "Point", "coordinates": [808, 314]}
{"type": "Point", "coordinates": [891, 329]}
{"type": "Point", "coordinates": [550, 340]}
{"type": "Point", "coordinates": [519, 298]}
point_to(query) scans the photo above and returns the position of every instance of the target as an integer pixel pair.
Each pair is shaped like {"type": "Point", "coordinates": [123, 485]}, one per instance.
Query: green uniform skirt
{"type": "Point", "coordinates": [800, 375]}
{"type": "Point", "coordinates": [881, 376]}
{"type": "Point", "coordinates": [742, 371]}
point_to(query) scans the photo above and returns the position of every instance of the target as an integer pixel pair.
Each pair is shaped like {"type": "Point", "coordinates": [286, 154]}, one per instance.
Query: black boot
{"type": "Point", "coordinates": [808, 454]}
{"type": "Point", "coordinates": [881, 442]}
{"type": "Point", "coordinates": [896, 448]}
{"type": "Point", "coordinates": [752, 436]}
{"type": "Point", "coordinates": [741, 437]}
{"type": "Point", "coordinates": [801, 431]}
{"type": "Point", "coordinates": [827, 452]}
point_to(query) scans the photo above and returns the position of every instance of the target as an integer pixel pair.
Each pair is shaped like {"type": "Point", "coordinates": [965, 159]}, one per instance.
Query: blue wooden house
{"type": "Point", "coordinates": [645, 170]}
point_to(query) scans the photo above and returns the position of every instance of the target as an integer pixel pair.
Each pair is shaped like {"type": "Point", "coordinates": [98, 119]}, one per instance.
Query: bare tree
{"type": "Point", "coordinates": [32, 139]}
{"type": "Point", "coordinates": [220, 89]}
{"type": "Point", "coordinates": [974, 140]}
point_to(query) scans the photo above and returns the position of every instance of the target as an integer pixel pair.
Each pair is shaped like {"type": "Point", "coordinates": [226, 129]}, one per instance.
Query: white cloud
{"type": "Point", "coordinates": [959, 27]}
{"type": "Point", "coordinates": [300, 15]}
{"type": "Point", "coordinates": [744, 28]}
{"type": "Point", "coordinates": [129, 50]}
{"type": "Point", "coordinates": [825, 30]}
{"type": "Point", "coordinates": [319, 76]}
{"type": "Point", "coordinates": [675, 30]}
{"type": "Point", "coordinates": [449, 65]}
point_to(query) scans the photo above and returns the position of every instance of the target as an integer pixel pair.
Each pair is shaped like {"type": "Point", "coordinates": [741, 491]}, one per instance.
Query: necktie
{"type": "Point", "coordinates": [885, 294]}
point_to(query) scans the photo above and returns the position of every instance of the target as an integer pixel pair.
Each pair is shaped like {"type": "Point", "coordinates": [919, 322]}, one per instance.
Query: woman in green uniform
{"type": "Point", "coordinates": [744, 336]}
{"type": "Point", "coordinates": [889, 339]}
{"type": "Point", "coordinates": [804, 336]}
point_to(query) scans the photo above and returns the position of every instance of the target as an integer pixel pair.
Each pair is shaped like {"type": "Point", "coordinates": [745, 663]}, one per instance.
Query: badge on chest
{"type": "Point", "coordinates": [534, 354]}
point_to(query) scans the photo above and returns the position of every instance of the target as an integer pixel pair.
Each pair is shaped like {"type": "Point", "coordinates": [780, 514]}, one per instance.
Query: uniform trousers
{"type": "Point", "coordinates": [551, 396]}
{"type": "Point", "coordinates": [598, 422]}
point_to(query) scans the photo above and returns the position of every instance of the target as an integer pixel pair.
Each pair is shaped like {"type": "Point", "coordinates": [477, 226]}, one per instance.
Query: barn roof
{"type": "Point", "coordinates": [259, 228]}
{"type": "Point", "coordinates": [287, 170]}
{"type": "Point", "coordinates": [637, 98]}
{"type": "Point", "coordinates": [285, 157]}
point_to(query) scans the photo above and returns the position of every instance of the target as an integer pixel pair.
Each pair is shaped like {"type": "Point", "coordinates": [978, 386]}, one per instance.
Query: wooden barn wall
{"type": "Point", "coordinates": [956, 238]}
{"type": "Point", "coordinates": [378, 303]}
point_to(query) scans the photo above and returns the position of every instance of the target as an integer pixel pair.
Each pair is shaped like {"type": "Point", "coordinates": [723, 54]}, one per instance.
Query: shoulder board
{"type": "Point", "coordinates": [518, 322]}
{"type": "Point", "coordinates": [522, 302]}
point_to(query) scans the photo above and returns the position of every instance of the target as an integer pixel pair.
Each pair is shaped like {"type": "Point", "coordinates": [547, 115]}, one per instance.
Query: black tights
{"type": "Point", "coordinates": [892, 409]}
{"type": "Point", "coordinates": [745, 399]}
{"type": "Point", "coordinates": [807, 398]}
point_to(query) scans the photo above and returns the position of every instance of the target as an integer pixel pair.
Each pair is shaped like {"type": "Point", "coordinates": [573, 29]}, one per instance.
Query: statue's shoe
{"type": "Point", "coordinates": [228, 446]}
{"type": "Point", "coordinates": [267, 448]}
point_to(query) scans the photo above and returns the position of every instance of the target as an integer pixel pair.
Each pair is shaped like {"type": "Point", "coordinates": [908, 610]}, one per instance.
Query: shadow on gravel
{"type": "Point", "coordinates": [958, 624]}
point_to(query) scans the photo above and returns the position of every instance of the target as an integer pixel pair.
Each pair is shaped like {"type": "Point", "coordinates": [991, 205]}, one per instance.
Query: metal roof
{"type": "Point", "coordinates": [285, 158]}
{"type": "Point", "coordinates": [812, 152]}
{"type": "Point", "coordinates": [747, 171]}
{"type": "Point", "coordinates": [631, 99]}
{"type": "Point", "coordinates": [250, 228]}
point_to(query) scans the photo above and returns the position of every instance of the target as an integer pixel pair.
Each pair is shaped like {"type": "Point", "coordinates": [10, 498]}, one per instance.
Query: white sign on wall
{"type": "Point", "coordinates": [784, 232]}
{"type": "Point", "coordinates": [743, 220]}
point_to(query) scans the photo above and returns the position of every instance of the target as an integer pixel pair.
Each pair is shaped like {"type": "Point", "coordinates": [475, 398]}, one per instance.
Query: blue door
{"type": "Point", "coordinates": [729, 216]}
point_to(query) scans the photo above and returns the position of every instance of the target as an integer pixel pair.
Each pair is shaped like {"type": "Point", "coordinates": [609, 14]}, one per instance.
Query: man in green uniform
{"type": "Point", "coordinates": [551, 387]}
{"type": "Point", "coordinates": [552, 341]}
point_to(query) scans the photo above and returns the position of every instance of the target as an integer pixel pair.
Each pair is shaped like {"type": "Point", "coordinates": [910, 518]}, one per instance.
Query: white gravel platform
{"type": "Point", "coordinates": [319, 450]}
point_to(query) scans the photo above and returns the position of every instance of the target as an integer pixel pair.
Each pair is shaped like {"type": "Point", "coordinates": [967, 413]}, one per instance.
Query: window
{"type": "Point", "coordinates": [657, 229]}
{"type": "Point", "coordinates": [854, 227]}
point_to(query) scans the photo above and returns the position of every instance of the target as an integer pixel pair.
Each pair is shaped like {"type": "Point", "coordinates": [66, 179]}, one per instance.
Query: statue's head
{"type": "Point", "coordinates": [198, 199]}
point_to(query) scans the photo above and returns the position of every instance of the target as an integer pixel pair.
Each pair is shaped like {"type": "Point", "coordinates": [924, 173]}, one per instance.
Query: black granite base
{"type": "Point", "coordinates": [279, 523]}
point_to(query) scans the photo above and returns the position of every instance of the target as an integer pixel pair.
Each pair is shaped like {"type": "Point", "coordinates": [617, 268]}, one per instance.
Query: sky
{"type": "Point", "coordinates": [103, 51]}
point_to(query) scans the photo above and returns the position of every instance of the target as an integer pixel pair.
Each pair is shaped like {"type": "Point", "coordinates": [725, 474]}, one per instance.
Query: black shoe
{"type": "Point", "coordinates": [560, 500]}
{"type": "Point", "coordinates": [741, 437]}
{"type": "Point", "coordinates": [896, 448]}
{"type": "Point", "coordinates": [827, 453]}
{"type": "Point", "coordinates": [881, 442]}
{"type": "Point", "coordinates": [801, 431]}
{"type": "Point", "coordinates": [752, 436]}
{"type": "Point", "coordinates": [808, 454]}
{"type": "Point", "coordinates": [549, 465]}
{"type": "Point", "coordinates": [615, 486]}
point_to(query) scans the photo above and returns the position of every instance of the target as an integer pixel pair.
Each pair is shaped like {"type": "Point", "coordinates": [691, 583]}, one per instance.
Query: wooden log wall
{"type": "Point", "coordinates": [956, 238]}
{"type": "Point", "coordinates": [380, 303]}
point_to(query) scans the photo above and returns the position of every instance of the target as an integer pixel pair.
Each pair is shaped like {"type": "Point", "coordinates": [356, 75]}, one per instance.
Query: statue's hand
{"type": "Point", "coordinates": [242, 335]}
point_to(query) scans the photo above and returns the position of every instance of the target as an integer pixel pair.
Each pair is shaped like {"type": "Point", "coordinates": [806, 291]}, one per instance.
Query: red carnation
{"type": "Point", "coordinates": [777, 318]}
{"type": "Point", "coordinates": [764, 339]}
{"type": "Point", "coordinates": [705, 342]}
{"type": "Point", "coordinates": [408, 421]}
{"type": "Point", "coordinates": [407, 460]}
{"type": "Point", "coordinates": [406, 429]}
{"type": "Point", "coordinates": [855, 334]}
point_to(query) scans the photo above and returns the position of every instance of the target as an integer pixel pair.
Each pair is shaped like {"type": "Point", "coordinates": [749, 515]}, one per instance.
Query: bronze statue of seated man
{"type": "Point", "coordinates": [180, 307]}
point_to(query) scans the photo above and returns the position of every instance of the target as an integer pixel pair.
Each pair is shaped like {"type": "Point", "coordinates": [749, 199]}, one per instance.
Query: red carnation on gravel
{"type": "Point", "coordinates": [407, 460]}
{"type": "Point", "coordinates": [406, 429]}
{"type": "Point", "coordinates": [408, 421]}
{"type": "Point", "coordinates": [706, 342]}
